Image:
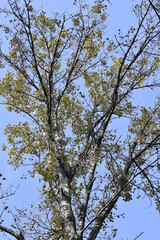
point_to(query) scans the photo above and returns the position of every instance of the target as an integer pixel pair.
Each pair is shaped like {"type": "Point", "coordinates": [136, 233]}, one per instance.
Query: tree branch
{"type": "Point", "coordinates": [115, 196]}
{"type": "Point", "coordinates": [154, 8]}
{"type": "Point", "coordinates": [138, 235]}
{"type": "Point", "coordinates": [19, 236]}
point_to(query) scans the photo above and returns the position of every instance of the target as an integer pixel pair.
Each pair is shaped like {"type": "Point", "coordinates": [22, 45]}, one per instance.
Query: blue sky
{"type": "Point", "coordinates": [139, 215]}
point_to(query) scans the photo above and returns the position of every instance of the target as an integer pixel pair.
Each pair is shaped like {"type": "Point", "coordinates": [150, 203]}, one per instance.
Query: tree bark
{"type": "Point", "coordinates": [67, 215]}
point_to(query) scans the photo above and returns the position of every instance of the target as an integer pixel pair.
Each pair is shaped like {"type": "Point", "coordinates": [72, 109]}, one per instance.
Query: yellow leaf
{"type": "Point", "coordinates": [4, 147]}
{"type": "Point", "coordinates": [96, 9]}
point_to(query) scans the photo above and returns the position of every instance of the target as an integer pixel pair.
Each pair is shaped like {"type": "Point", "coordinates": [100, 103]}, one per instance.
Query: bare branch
{"type": "Point", "coordinates": [154, 8]}
{"type": "Point", "coordinates": [138, 235]}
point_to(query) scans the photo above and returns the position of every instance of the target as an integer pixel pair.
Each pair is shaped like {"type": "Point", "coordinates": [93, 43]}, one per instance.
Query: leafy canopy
{"type": "Point", "coordinates": [73, 83]}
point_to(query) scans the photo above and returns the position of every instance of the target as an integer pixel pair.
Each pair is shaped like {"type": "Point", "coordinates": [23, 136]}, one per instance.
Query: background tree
{"type": "Point", "coordinates": [73, 82]}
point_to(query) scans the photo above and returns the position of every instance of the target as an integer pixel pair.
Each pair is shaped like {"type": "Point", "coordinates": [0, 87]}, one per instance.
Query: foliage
{"type": "Point", "coordinates": [74, 82]}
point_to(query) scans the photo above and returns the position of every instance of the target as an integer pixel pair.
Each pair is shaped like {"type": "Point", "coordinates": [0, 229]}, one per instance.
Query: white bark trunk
{"type": "Point", "coordinates": [65, 205]}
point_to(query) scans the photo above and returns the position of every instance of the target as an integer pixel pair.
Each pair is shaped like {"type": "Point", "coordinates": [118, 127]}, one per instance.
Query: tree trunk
{"type": "Point", "coordinates": [68, 219]}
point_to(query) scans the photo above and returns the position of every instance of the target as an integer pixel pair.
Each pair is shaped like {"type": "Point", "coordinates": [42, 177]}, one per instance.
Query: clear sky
{"type": "Point", "coordinates": [139, 215]}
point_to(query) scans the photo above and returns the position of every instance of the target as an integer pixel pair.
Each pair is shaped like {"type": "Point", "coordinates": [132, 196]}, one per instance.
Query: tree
{"type": "Point", "coordinates": [73, 82]}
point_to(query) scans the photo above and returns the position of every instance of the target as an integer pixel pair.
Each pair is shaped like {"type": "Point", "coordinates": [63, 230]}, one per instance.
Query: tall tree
{"type": "Point", "coordinates": [73, 82]}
